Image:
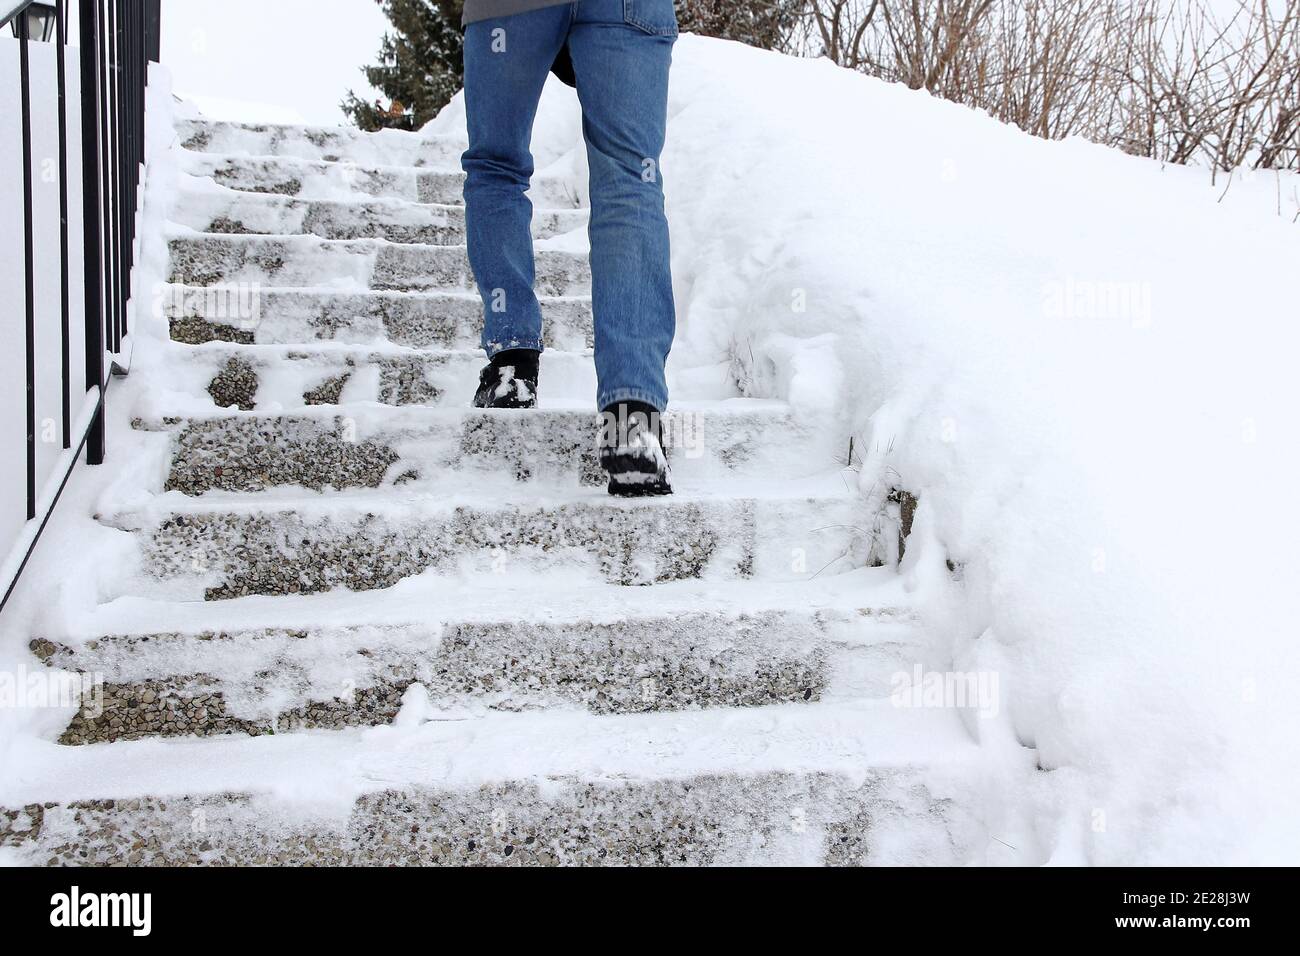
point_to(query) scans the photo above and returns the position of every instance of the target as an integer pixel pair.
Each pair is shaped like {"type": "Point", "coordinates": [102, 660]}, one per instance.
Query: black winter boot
{"type": "Point", "coordinates": [510, 381]}
{"type": "Point", "coordinates": [632, 451]}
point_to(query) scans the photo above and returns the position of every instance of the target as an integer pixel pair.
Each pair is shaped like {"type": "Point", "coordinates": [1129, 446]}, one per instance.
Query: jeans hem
{"type": "Point", "coordinates": [495, 349]}
{"type": "Point", "coordinates": [607, 399]}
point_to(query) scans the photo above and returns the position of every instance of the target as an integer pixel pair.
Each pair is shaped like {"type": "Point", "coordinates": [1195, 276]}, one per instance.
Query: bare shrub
{"type": "Point", "coordinates": [769, 24]}
{"type": "Point", "coordinates": [1182, 81]}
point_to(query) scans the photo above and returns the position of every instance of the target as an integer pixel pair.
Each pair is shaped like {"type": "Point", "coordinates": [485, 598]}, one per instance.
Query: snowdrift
{"type": "Point", "coordinates": [1081, 363]}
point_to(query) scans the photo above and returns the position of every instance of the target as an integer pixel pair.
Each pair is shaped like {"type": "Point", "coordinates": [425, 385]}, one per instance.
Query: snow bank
{"type": "Point", "coordinates": [1082, 365]}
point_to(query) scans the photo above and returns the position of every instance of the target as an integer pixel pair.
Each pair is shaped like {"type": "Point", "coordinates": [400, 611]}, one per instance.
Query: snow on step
{"type": "Point", "coordinates": [331, 660]}
{"type": "Point", "coordinates": [315, 180]}
{"type": "Point", "coordinates": [300, 261]}
{"type": "Point", "coordinates": [201, 549]}
{"type": "Point", "coordinates": [328, 677]}
{"type": "Point", "coordinates": [438, 319]}
{"type": "Point", "coordinates": [832, 784]}
{"type": "Point", "coordinates": [230, 212]}
{"type": "Point", "coordinates": [423, 449]}
{"type": "Point", "coordinates": [331, 144]}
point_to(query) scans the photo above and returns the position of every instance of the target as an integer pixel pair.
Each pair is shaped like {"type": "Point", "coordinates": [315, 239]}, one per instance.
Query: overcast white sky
{"type": "Point", "coordinates": [293, 60]}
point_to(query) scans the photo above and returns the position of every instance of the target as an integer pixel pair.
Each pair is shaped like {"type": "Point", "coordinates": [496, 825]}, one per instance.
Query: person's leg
{"type": "Point", "coordinates": [622, 51]}
{"type": "Point", "coordinates": [507, 61]}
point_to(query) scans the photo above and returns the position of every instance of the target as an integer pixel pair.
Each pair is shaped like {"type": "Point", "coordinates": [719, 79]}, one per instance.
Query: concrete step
{"type": "Point", "coordinates": [301, 262]}
{"type": "Point", "coordinates": [194, 549]}
{"type": "Point", "coordinates": [321, 180]}
{"type": "Point", "coordinates": [648, 660]}
{"type": "Point", "coordinates": [231, 212]}
{"type": "Point", "coordinates": [704, 820]}
{"type": "Point", "coordinates": [426, 450]}
{"type": "Point", "coordinates": [321, 143]}
{"type": "Point", "coordinates": [805, 785]}
{"type": "Point", "coordinates": [248, 314]}
{"type": "Point", "coordinates": [289, 378]}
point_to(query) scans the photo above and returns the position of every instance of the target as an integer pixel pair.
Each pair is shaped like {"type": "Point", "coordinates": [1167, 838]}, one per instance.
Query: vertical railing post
{"type": "Point", "coordinates": [111, 174]}
{"type": "Point", "coordinates": [29, 254]}
{"type": "Point", "coordinates": [92, 210]}
{"type": "Point", "coordinates": [65, 291]}
{"type": "Point", "coordinates": [153, 30]}
{"type": "Point", "coordinates": [124, 215]}
{"type": "Point", "coordinates": [131, 34]}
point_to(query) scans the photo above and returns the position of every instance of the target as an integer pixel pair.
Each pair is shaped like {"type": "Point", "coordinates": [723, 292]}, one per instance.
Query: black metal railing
{"type": "Point", "coordinates": [113, 41]}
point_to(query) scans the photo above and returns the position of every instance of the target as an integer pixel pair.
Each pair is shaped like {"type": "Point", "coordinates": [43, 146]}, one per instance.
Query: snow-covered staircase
{"type": "Point", "coordinates": [390, 629]}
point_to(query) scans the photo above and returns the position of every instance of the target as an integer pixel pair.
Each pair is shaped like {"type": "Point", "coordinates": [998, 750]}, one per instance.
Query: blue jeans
{"type": "Point", "coordinates": [621, 52]}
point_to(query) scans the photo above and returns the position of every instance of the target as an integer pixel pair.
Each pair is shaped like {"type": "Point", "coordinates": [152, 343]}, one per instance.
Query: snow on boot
{"type": "Point", "coordinates": [510, 381]}
{"type": "Point", "coordinates": [632, 451]}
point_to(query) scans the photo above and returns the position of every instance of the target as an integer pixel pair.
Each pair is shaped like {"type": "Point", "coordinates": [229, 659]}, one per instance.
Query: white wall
{"type": "Point", "coordinates": [13, 305]}
{"type": "Point", "coordinates": [47, 246]}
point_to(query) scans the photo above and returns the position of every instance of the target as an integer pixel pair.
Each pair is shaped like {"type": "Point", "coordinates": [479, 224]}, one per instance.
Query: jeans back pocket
{"type": "Point", "coordinates": [656, 17]}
